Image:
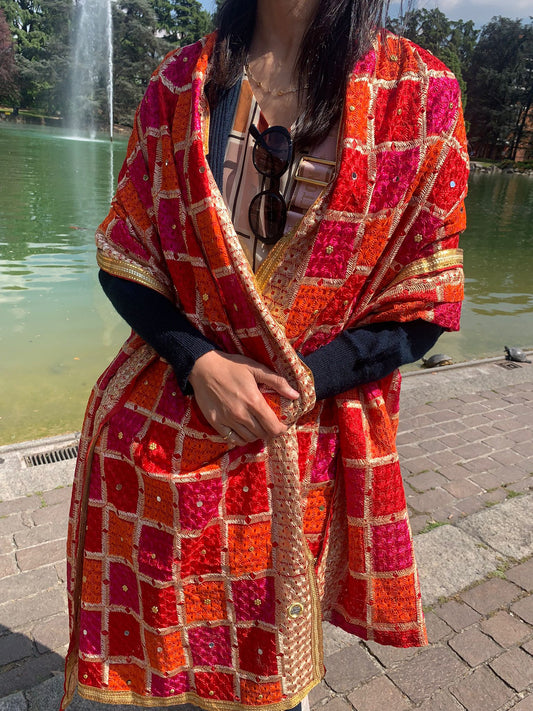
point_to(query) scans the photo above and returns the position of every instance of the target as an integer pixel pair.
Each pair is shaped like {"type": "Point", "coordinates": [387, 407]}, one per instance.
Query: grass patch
{"type": "Point", "coordinates": [431, 525]}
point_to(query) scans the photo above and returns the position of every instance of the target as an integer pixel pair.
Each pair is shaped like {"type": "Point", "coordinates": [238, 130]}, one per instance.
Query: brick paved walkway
{"type": "Point", "coordinates": [467, 461]}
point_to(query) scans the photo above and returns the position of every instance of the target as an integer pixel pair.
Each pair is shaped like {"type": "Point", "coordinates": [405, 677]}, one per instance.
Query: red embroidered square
{"type": "Point", "coordinates": [247, 492]}
{"type": "Point", "coordinates": [95, 485]}
{"type": "Point", "coordinates": [354, 484]}
{"type": "Point", "coordinates": [90, 673]}
{"type": "Point", "coordinates": [387, 490]}
{"type": "Point", "coordinates": [221, 684]}
{"type": "Point", "coordinates": [155, 452]}
{"type": "Point", "coordinates": [93, 535]}
{"type": "Point", "coordinates": [159, 606]}
{"type": "Point", "coordinates": [451, 180]}
{"type": "Point", "coordinates": [124, 638]}
{"type": "Point", "coordinates": [397, 113]}
{"type": "Point", "coordinates": [240, 312]}
{"type": "Point", "coordinates": [352, 185]}
{"type": "Point", "coordinates": [122, 485]}
{"type": "Point", "coordinates": [353, 433]}
{"type": "Point", "coordinates": [201, 554]}
{"type": "Point", "coordinates": [257, 651]}
{"type": "Point", "coordinates": [354, 599]}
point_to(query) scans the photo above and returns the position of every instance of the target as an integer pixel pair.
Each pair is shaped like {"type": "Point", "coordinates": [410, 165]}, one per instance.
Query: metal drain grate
{"type": "Point", "coordinates": [509, 364]}
{"type": "Point", "coordinates": [55, 455]}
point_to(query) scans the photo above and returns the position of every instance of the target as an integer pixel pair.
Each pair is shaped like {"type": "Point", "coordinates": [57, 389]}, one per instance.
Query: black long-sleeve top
{"type": "Point", "coordinates": [356, 356]}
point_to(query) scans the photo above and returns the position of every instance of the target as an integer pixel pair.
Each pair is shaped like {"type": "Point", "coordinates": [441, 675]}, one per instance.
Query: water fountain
{"type": "Point", "coordinates": [92, 76]}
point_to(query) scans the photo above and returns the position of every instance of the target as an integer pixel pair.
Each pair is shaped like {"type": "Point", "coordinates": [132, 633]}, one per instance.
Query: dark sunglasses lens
{"type": "Point", "coordinates": [267, 215]}
{"type": "Point", "coordinates": [272, 153]}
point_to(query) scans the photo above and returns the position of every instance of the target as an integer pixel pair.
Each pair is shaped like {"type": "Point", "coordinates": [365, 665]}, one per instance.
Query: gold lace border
{"type": "Point", "coordinates": [189, 697]}
{"type": "Point", "coordinates": [129, 271]}
{"type": "Point", "coordinates": [446, 259]}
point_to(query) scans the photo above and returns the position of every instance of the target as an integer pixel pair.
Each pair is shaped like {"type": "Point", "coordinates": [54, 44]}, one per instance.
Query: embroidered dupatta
{"type": "Point", "coordinates": [199, 572]}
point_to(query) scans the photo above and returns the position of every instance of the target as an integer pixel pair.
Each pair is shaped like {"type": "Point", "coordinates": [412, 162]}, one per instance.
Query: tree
{"type": "Point", "coordinates": [182, 21]}
{"type": "Point", "coordinates": [452, 42]}
{"type": "Point", "coordinates": [500, 84]}
{"type": "Point", "coordinates": [137, 52]}
{"type": "Point", "coordinates": [41, 33]}
{"type": "Point", "coordinates": [8, 69]}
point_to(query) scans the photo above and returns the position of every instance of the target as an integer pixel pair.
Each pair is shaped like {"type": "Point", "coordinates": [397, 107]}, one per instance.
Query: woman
{"type": "Point", "coordinates": [284, 235]}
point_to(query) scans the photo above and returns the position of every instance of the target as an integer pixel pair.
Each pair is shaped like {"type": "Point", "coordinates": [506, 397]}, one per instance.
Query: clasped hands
{"type": "Point", "coordinates": [226, 388]}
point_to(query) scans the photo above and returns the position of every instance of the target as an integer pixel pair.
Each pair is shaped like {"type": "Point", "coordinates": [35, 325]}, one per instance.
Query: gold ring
{"type": "Point", "coordinates": [228, 436]}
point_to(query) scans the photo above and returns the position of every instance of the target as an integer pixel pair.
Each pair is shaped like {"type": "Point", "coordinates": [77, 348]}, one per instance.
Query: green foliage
{"type": "Point", "coordinates": [182, 21]}
{"type": "Point", "coordinates": [41, 32]}
{"type": "Point", "coordinates": [500, 80]}
{"type": "Point", "coordinates": [137, 52]}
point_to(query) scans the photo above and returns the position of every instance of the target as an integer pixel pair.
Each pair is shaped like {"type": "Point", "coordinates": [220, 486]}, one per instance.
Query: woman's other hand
{"type": "Point", "coordinates": [226, 390]}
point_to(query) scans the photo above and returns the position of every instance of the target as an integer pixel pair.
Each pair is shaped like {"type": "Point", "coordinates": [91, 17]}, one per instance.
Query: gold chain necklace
{"type": "Point", "coordinates": [277, 92]}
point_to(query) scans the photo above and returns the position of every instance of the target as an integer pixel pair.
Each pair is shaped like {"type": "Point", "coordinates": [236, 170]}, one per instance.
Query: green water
{"type": "Point", "coordinates": [58, 332]}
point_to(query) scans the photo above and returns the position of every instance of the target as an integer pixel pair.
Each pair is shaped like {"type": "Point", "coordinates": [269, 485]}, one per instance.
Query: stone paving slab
{"type": "Point", "coordinates": [507, 529]}
{"type": "Point", "coordinates": [467, 460]}
{"type": "Point", "coordinates": [450, 560]}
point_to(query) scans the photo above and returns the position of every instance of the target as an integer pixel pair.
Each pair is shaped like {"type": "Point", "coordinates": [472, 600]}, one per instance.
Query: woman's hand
{"type": "Point", "coordinates": [227, 393]}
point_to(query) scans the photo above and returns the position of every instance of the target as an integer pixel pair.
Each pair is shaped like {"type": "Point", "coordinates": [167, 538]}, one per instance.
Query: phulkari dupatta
{"type": "Point", "coordinates": [198, 572]}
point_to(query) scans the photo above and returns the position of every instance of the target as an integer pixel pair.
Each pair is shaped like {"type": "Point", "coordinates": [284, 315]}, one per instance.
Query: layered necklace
{"type": "Point", "coordinates": [267, 90]}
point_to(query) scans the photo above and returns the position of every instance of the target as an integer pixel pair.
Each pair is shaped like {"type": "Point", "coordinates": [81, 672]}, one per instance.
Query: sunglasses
{"type": "Point", "coordinates": [272, 155]}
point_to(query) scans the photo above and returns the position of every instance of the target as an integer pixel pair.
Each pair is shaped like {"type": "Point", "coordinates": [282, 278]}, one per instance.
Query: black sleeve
{"type": "Point", "coordinates": [159, 323]}
{"type": "Point", "coordinates": [363, 355]}
{"type": "Point", "coordinates": [354, 357]}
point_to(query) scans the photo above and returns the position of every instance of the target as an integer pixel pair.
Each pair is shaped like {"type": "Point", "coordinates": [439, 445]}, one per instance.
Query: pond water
{"type": "Point", "coordinates": [58, 332]}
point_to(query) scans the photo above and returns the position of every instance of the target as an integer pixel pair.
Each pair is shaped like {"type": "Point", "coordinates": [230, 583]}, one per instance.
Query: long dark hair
{"type": "Point", "coordinates": [341, 32]}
